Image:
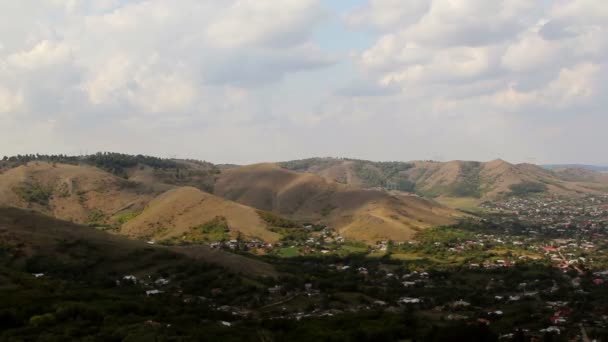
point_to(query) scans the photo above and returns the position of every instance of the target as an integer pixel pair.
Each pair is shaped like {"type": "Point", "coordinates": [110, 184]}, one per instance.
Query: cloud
{"type": "Point", "coordinates": [9, 101]}
{"type": "Point", "coordinates": [516, 43]}
{"type": "Point", "coordinates": [508, 66]}
{"type": "Point", "coordinates": [149, 56]}
{"type": "Point", "coordinates": [248, 80]}
{"type": "Point", "coordinates": [262, 22]}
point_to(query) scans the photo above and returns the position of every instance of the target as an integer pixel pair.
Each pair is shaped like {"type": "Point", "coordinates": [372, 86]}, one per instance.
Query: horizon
{"type": "Point", "coordinates": [377, 80]}
{"type": "Point", "coordinates": [175, 157]}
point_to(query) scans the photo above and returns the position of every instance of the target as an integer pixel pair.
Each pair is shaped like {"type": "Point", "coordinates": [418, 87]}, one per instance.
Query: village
{"type": "Point", "coordinates": [527, 266]}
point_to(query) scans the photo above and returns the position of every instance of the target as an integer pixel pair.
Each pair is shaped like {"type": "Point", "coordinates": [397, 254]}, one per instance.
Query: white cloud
{"type": "Point", "coordinates": [9, 101]}
{"type": "Point", "coordinates": [469, 78]}
{"type": "Point", "coordinates": [254, 22]}
{"type": "Point", "coordinates": [45, 53]}
{"type": "Point", "coordinates": [387, 14]}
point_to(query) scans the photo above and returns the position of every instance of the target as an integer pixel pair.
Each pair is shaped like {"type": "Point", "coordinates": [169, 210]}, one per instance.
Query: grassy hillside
{"type": "Point", "coordinates": [82, 194]}
{"type": "Point", "coordinates": [359, 173]}
{"type": "Point", "coordinates": [360, 214]}
{"type": "Point", "coordinates": [454, 179]}
{"type": "Point", "coordinates": [38, 243]}
{"type": "Point", "coordinates": [185, 214]}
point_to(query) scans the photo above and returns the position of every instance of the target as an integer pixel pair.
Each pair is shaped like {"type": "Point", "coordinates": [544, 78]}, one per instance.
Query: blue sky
{"type": "Point", "coordinates": [245, 81]}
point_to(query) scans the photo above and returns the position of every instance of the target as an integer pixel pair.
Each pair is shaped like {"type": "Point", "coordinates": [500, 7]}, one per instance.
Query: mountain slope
{"type": "Point", "coordinates": [78, 193]}
{"type": "Point", "coordinates": [468, 179]}
{"type": "Point", "coordinates": [67, 245]}
{"type": "Point", "coordinates": [182, 211]}
{"type": "Point", "coordinates": [362, 214]}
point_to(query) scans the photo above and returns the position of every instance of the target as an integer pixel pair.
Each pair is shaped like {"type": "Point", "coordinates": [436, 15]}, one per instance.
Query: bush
{"type": "Point", "coordinates": [277, 221]}
{"type": "Point", "coordinates": [527, 187]}
{"type": "Point", "coordinates": [42, 320]}
{"type": "Point", "coordinates": [35, 193]}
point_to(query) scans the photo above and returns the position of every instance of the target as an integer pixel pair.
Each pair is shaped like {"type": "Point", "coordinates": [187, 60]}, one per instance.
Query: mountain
{"type": "Point", "coordinates": [361, 214]}
{"type": "Point", "coordinates": [181, 212]}
{"type": "Point", "coordinates": [39, 243]}
{"type": "Point", "coordinates": [79, 193]}
{"type": "Point", "coordinates": [454, 179]}
{"type": "Point", "coordinates": [595, 168]}
{"type": "Point", "coordinates": [579, 174]}
{"type": "Point", "coordinates": [143, 206]}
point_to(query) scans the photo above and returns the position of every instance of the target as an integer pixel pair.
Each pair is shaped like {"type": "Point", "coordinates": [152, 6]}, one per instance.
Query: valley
{"type": "Point", "coordinates": [168, 249]}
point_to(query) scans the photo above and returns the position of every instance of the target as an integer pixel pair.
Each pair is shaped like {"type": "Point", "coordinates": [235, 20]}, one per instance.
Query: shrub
{"type": "Point", "coordinates": [527, 187]}
{"type": "Point", "coordinates": [42, 320]}
{"type": "Point", "coordinates": [35, 193]}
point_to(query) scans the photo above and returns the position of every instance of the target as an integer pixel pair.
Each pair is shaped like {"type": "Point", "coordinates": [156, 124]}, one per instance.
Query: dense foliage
{"type": "Point", "coordinates": [110, 161]}
{"type": "Point", "coordinates": [527, 187]}
{"type": "Point", "coordinates": [34, 193]}
{"type": "Point", "coordinates": [276, 220]}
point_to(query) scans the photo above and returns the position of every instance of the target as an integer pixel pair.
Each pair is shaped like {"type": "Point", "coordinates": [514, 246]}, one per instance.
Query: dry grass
{"type": "Point", "coordinates": [359, 214]}
{"type": "Point", "coordinates": [178, 211]}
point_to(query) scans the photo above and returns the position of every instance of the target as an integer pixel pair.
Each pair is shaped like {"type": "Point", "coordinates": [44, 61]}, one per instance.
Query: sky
{"type": "Point", "coordinates": [245, 81]}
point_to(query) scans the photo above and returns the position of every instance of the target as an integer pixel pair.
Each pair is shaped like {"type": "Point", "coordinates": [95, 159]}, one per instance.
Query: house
{"type": "Point", "coordinates": [130, 278]}
{"type": "Point", "coordinates": [153, 292]}
{"type": "Point", "coordinates": [275, 290]}
{"type": "Point", "coordinates": [483, 321]}
{"type": "Point", "coordinates": [409, 300]}
{"type": "Point", "coordinates": [161, 282]}
{"type": "Point", "coordinates": [460, 304]}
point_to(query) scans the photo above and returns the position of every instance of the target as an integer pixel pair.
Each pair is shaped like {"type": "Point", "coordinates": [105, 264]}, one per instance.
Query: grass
{"type": "Point", "coordinates": [352, 249]}
{"type": "Point", "coordinates": [289, 252]}
{"type": "Point", "coordinates": [96, 217]}
{"type": "Point", "coordinates": [462, 203]}
{"type": "Point", "coordinates": [277, 221]}
{"type": "Point", "coordinates": [35, 193]}
{"type": "Point", "coordinates": [126, 217]}
{"type": "Point", "coordinates": [214, 230]}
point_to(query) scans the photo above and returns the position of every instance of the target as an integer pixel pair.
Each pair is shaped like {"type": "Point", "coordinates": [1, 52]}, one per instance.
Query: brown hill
{"type": "Point", "coordinates": [200, 175]}
{"type": "Point", "coordinates": [78, 193]}
{"type": "Point", "coordinates": [29, 234]}
{"type": "Point", "coordinates": [578, 174]}
{"type": "Point", "coordinates": [182, 211]}
{"type": "Point", "coordinates": [361, 214]}
{"type": "Point", "coordinates": [454, 179]}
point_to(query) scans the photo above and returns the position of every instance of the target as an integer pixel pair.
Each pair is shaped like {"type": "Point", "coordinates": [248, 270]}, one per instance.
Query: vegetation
{"type": "Point", "coordinates": [96, 217]}
{"type": "Point", "coordinates": [126, 217]}
{"type": "Point", "coordinates": [377, 174]}
{"type": "Point", "coordinates": [215, 230]}
{"type": "Point", "coordinates": [305, 164]}
{"type": "Point", "coordinates": [35, 193]}
{"type": "Point", "coordinates": [373, 174]}
{"type": "Point", "coordinates": [117, 163]}
{"type": "Point", "coordinates": [526, 188]}
{"type": "Point", "coordinates": [274, 220]}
